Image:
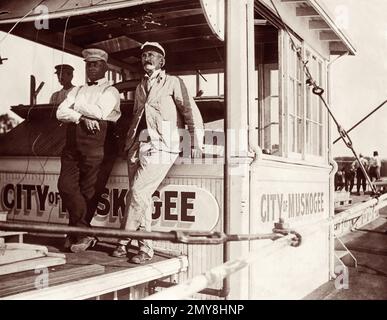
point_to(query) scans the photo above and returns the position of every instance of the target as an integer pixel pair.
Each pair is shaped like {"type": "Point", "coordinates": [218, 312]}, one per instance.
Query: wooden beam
{"type": "Point", "coordinates": [306, 12]}
{"type": "Point", "coordinates": [54, 40]}
{"type": "Point", "coordinates": [158, 34]}
{"type": "Point", "coordinates": [318, 25]}
{"type": "Point", "coordinates": [95, 286]}
{"type": "Point", "coordinates": [337, 47]}
{"type": "Point", "coordinates": [111, 27]}
{"type": "Point", "coordinates": [173, 33]}
{"type": "Point", "coordinates": [31, 264]}
{"type": "Point", "coordinates": [190, 44]}
{"type": "Point", "coordinates": [328, 36]}
{"type": "Point", "coordinates": [20, 285]}
{"type": "Point", "coordinates": [15, 252]}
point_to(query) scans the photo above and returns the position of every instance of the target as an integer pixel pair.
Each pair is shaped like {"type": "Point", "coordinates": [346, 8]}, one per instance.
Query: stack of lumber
{"type": "Point", "coordinates": [17, 257]}
{"type": "Point", "coordinates": [15, 286]}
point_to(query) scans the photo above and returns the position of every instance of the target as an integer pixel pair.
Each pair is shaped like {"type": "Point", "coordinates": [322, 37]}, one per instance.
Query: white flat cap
{"type": "Point", "coordinates": [94, 54]}
{"type": "Point", "coordinates": [153, 46]}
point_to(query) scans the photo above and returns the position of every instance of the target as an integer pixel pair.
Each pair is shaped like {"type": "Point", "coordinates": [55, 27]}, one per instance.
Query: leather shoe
{"type": "Point", "coordinates": [140, 258]}
{"type": "Point", "coordinates": [120, 251]}
{"type": "Point", "coordinates": [68, 242]}
{"type": "Point", "coordinates": [83, 244]}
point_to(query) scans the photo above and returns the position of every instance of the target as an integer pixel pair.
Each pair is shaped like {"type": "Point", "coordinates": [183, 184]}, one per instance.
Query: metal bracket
{"type": "Point", "coordinates": [200, 237]}
{"type": "Point", "coordinates": [282, 227]}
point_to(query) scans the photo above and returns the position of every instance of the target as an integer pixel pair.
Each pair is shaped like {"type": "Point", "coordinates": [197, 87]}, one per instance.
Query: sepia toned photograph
{"type": "Point", "coordinates": [193, 150]}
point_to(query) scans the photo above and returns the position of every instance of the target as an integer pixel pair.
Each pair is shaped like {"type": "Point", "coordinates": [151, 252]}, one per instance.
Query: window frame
{"type": "Point", "coordinates": [301, 135]}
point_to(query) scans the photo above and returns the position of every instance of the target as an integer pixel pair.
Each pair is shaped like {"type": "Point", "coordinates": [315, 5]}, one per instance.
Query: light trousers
{"type": "Point", "coordinates": [147, 168]}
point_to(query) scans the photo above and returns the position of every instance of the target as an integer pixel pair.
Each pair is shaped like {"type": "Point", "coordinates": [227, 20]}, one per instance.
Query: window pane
{"type": "Point", "coordinates": [300, 135]}
{"type": "Point", "coordinates": [292, 134]}
{"type": "Point", "coordinates": [210, 85]}
{"type": "Point", "coordinates": [291, 97]}
{"type": "Point", "coordinates": [269, 114]}
{"type": "Point", "coordinates": [315, 139]}
{"type": "Point", "coordinates": [274, 87]}
{"type": "Point", "coordinates": [308, 137]}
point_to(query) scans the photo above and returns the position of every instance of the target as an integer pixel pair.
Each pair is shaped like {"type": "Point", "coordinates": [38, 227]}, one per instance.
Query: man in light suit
{"type": "Point", "coordinates": [162, 106]}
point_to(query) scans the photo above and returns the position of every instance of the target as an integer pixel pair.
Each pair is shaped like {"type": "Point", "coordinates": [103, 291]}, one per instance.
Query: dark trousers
{"type": "Point", "coordinates": [86, 164]}
{"type": "Point", "coordinates": [361, 180]}
{"type": "Point", "coordinates": [349, 181]}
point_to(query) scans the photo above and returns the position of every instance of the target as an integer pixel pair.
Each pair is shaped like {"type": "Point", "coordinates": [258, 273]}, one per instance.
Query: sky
{"type": "Point", "coordinates": [27, 58]}
{"type": "Point", "coordinates": [359, 83]}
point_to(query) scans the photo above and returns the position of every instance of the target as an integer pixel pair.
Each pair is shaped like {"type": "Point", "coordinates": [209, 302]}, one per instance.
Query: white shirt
{"type": "Point", "coordinates": [151, 79]}
{"type": "Point", "coordinates": [375, 162]}
{"type": "Point", "coordinates": [100, 101]}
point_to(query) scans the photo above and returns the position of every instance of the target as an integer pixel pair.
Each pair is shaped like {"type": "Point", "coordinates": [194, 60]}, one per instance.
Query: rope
{"type": "Point", "coordinates": [317, 90]}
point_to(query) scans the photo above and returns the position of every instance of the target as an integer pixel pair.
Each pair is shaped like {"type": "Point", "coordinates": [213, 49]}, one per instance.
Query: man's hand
{"type": "Point", "coordinates": [91, 125]}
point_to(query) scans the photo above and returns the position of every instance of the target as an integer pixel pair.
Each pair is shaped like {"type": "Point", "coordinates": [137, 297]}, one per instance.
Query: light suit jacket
{"type": "Point", "coordinates": [167, 108]}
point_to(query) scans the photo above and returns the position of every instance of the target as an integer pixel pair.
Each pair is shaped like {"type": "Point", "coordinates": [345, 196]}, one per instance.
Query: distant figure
{"type": "Point", "coordinates": [361, 180]}
{"type": "Point", "coordinates": [339, 180]}
{"type": "Point", "coordinates": [65, 76]}
{"type": "Point", "coordinates": [375, 165]}
{"type": "Point", "coordinates": [349, 177]}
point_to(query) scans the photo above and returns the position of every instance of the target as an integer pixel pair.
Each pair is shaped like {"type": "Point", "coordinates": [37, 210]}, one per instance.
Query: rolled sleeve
{"type": "Point", "coordinates": [66, 112]}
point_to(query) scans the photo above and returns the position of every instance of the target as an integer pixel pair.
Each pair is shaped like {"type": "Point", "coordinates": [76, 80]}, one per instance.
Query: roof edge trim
{"type": "Point", "coordinates": [340, 33]}
{"type": "Point", "coordinates": [80, 11]}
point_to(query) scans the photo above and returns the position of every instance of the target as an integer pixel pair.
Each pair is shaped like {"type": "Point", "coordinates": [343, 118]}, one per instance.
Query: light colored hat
{"type": "Point", "coordinates": [61, 67]}
{"type": "Point", "coordinates": [154, 46]}
{"type": "Point", "coordinates": [94, 54]}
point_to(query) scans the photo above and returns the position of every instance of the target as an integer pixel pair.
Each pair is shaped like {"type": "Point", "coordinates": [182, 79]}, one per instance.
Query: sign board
{"type": "Point", "coordinates": [175, 207]}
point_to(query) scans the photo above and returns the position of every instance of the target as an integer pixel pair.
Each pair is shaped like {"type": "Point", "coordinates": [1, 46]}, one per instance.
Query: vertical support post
{"type": "Point", "coordinates": [331, 180]}
{"type": "Point", "coordinates": [239, 16]}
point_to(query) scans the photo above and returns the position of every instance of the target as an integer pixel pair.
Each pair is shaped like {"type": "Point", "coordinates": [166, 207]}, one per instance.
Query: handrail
{"type": "Point", "coordinates": [218, 273]}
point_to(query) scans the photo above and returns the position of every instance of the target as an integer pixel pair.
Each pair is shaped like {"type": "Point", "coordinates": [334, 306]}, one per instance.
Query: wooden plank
{"type": "Point", "coordinates": [11, 233]}
{"type": "Point", "coordinates": [318, 25]}
{"type": "Point", "coordinates": [306, 12]}
{"type": "Point", "coordinates": [328, 36]}
{"type": "Point", "coordinates": [20, 266]}
{"type": "Point", "coordinates": [14, 252]}
{"type": "Point", "coordinates": [54, 278]}
{"type": "Point", "coordinates": [11, 256]}
{"type": "Point", "coordinates": [106, 283]}
{"type": "Point", "coordinates": [26, 247]}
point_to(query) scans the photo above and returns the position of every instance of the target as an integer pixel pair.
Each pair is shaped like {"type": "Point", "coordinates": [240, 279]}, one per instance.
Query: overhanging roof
{"type": "Point", "coordinates": [319, 20]}
{"type": "Point", "coordinates": [120, 27]}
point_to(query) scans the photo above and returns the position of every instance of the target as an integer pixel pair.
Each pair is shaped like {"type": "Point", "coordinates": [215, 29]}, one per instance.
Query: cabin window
{"type": "Point", "coordinates": [269, 116]}
{"type": "Point", "coordinates": [314, 109]}
{"type": "Point", "coordinates": [211, 84]}
{"type": "Point", "coordinates": [204, 84]}
{"type": "Point", "coordinates": [306, 116]}
{"type": "Point", "coordinates": [267, 90]}
{"type": "Point", "coordinates": [295, 102]}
